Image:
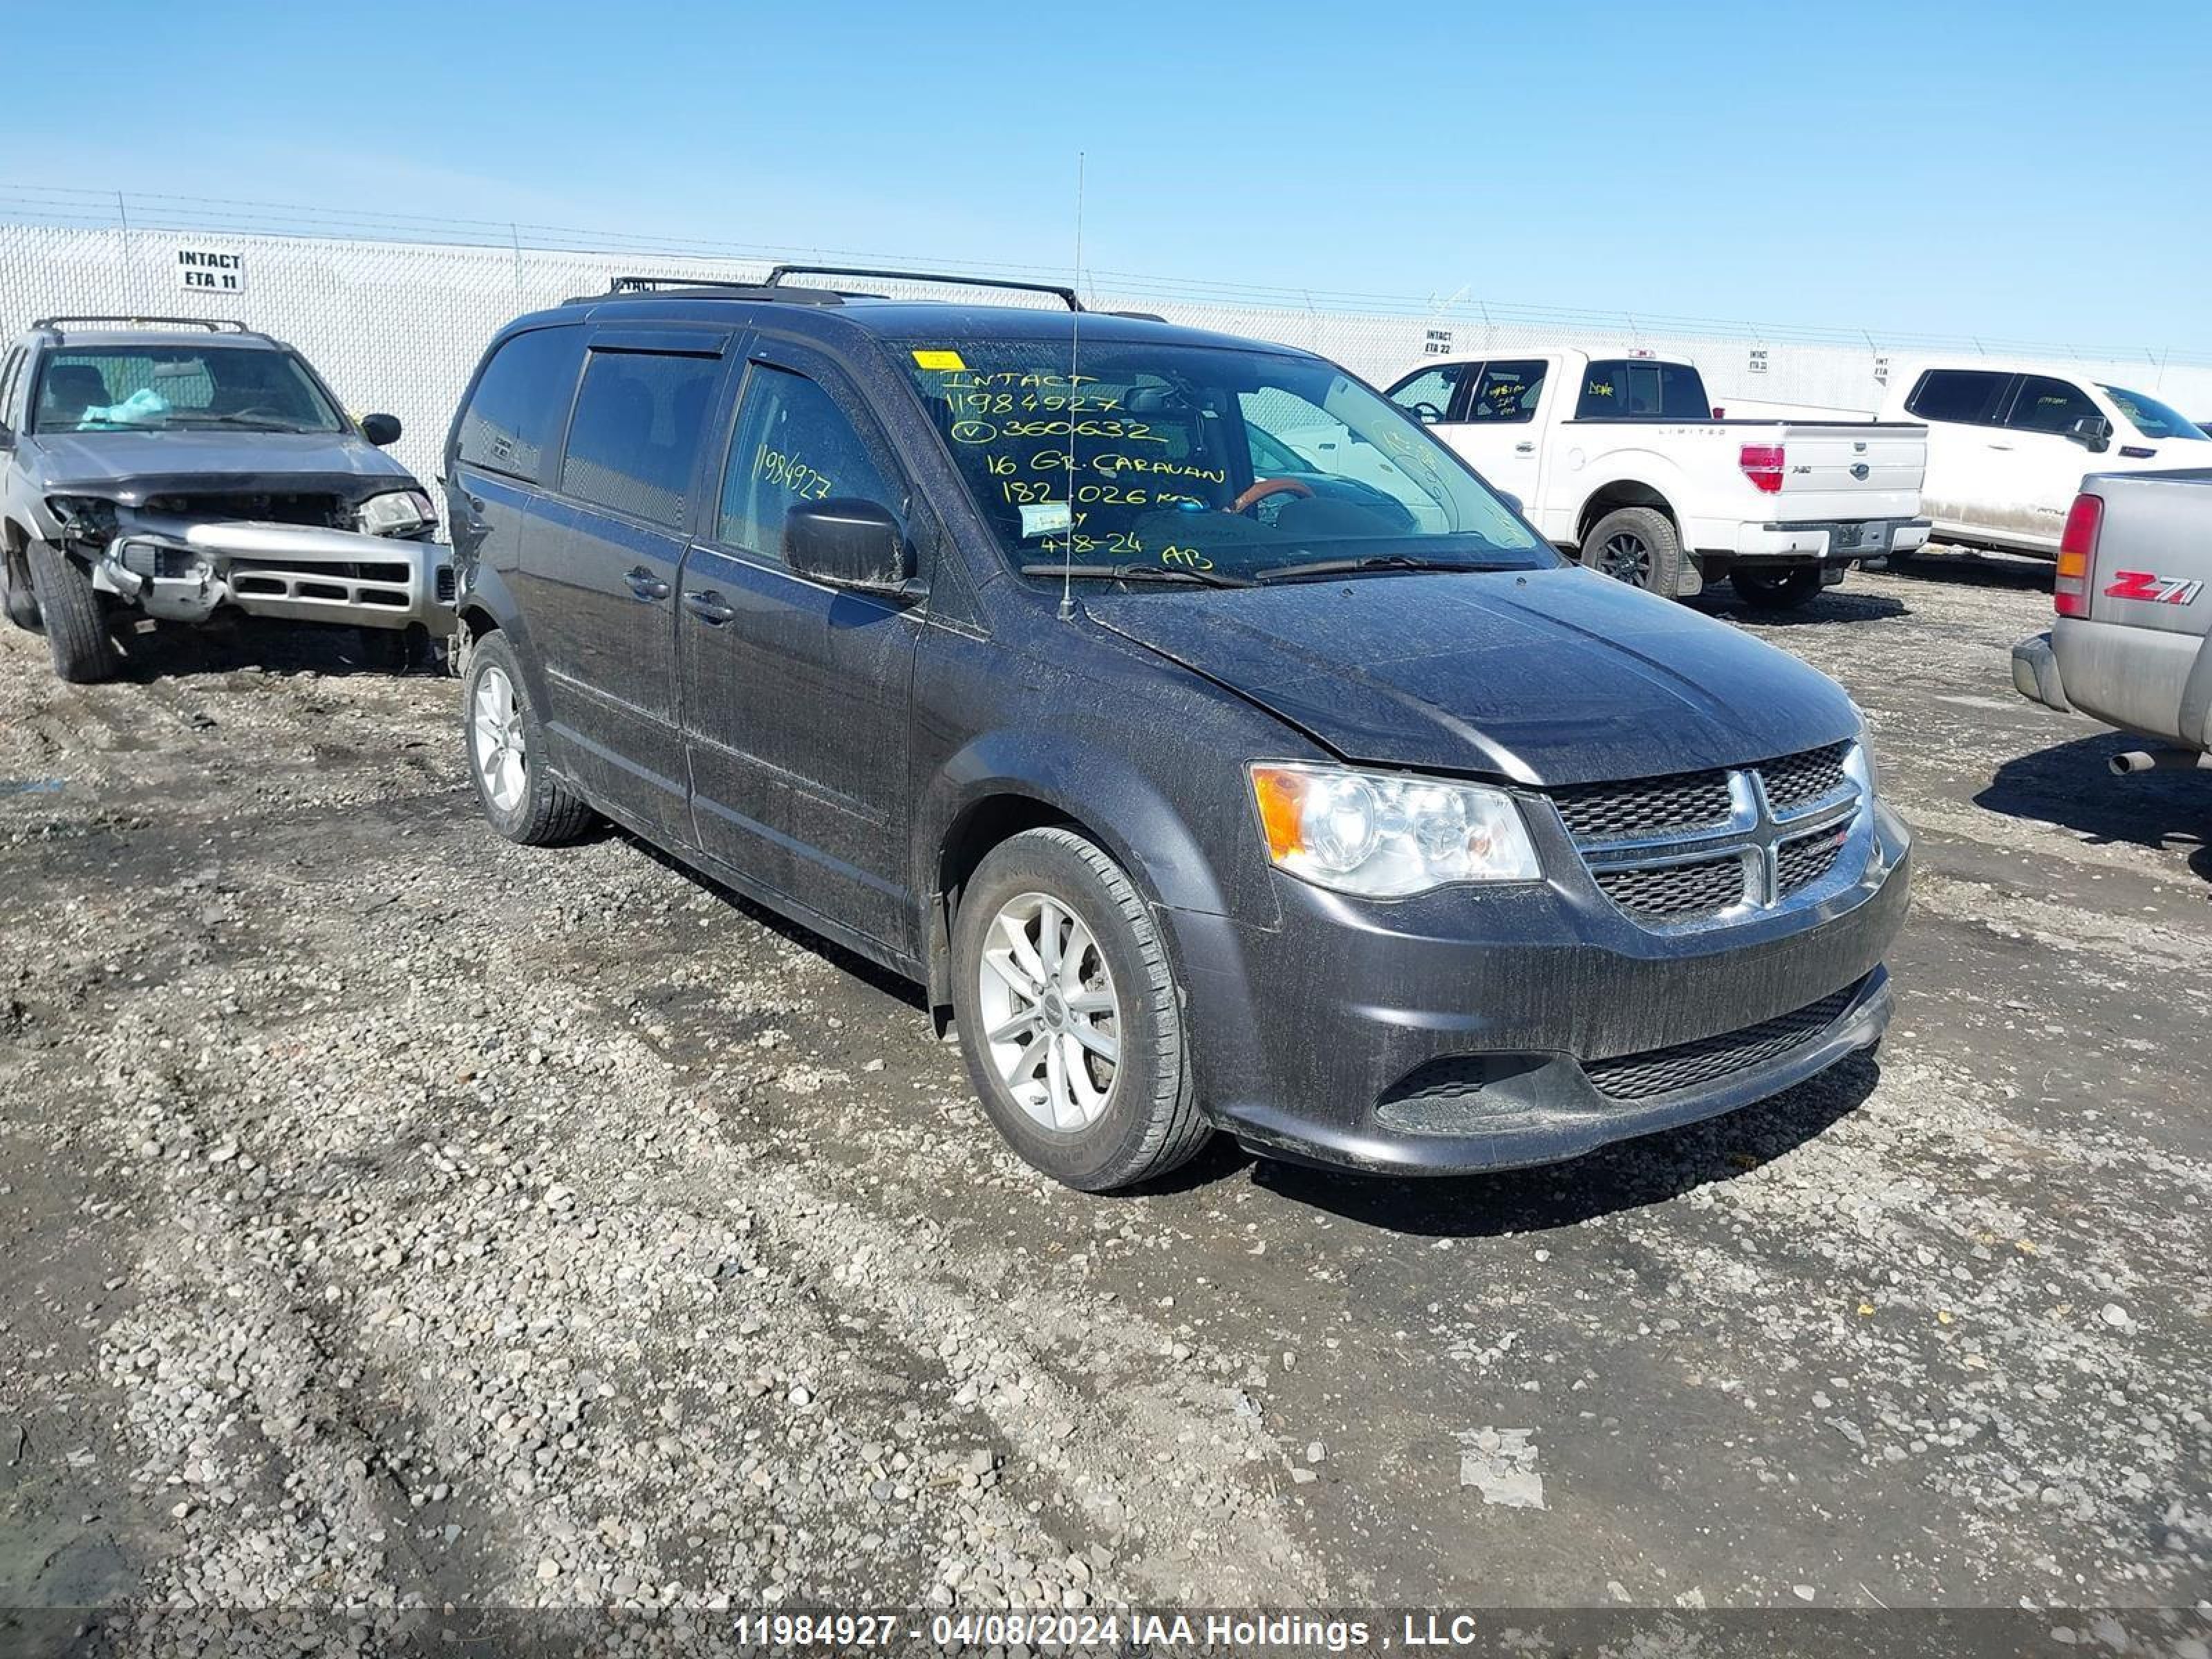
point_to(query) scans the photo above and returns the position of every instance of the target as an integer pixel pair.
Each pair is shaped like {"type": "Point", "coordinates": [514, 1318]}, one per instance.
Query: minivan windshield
{"type": "Point", "coordinates": [1204, 463]}
{"type": "Point", "coordinates": [2153, 418]}
{"type": "Point", "coordinates": [116, 388]}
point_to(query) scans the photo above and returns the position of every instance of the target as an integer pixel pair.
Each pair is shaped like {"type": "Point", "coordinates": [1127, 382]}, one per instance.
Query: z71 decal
{"type": "Point", "coordinates": [2158, 589]}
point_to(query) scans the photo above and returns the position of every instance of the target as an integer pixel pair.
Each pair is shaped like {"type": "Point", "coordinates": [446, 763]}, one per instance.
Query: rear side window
{"type": "Point", "coordinates": [792, 444]}
{"type": "Point", "coordinates": [514, 417]}
{"type": "Point", "coordinates": [1969, 395]}
{"type": "Point", "coordinates": [2043, 405]}
{"type": "Point", "coordinates": [1628, 389]}
{"type": "Point", "coordinates": [1428, 392]}
{"type": "Point", "coordinates": [1507, 391]}
{"type": "Point", "coordinates": [636, 434]}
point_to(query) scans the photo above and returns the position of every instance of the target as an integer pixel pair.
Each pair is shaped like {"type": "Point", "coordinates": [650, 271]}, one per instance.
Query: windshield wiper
{"type": "Point", "coordinates": [254, 423]}
{"type": "Point", "coordinates": [1139, 573]}
{"type": "Point", "coordinates": [1376, 562]}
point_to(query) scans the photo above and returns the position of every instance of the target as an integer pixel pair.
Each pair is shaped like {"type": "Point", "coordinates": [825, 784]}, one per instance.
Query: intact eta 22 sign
{"type": "Point", "coordinates": [211, 270]}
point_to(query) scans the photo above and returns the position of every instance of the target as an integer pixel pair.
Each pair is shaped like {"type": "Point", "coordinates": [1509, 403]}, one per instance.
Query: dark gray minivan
{"type": "Point", "coordinates": [1215, 747]}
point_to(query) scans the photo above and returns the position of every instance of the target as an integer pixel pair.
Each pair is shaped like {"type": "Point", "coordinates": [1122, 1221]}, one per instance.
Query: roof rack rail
{"type": "Point", "coordinates": [775, 280]}
{"type": "Point", "coordinates": [217, 325]}
{"type": "Point", "coordinates": [705, 286]}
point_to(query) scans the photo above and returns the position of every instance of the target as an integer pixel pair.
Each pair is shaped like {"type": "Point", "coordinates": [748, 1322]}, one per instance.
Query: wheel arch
{"type": "Point", "coordinates": [1620, 493]}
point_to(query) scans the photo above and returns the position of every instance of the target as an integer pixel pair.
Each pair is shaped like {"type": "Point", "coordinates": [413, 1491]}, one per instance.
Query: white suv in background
{"type": "Point", "coordinates": [2008, 444]}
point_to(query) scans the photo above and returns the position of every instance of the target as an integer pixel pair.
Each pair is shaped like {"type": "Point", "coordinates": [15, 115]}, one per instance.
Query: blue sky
{"type": "Point", "coordinates": [2029, 170]}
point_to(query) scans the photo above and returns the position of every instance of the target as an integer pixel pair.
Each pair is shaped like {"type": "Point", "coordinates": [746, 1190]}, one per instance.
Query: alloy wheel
{"type": "Point", "coordinates": [497, 721]}
{"type": "Point", "coordinates": [1052, 1021]}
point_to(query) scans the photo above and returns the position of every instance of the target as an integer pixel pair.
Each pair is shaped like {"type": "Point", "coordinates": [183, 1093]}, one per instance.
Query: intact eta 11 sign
{"type": "Point", "coordinates": [211, 270]}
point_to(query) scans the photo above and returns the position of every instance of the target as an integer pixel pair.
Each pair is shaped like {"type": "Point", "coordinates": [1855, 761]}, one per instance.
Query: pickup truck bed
{"type": "Point", "coordinates": [2132, 642]}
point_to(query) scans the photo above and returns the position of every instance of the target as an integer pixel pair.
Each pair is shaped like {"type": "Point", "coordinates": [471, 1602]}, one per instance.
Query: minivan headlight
{"type": "Point", "coordinates": [396, 512]}
{"type": "Point", "coordinates": [1383, 835]}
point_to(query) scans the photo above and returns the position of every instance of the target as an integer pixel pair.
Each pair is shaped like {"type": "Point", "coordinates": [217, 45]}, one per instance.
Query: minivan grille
{"type": "Point", "coordinates": [1708, 1060]}
{"type": "Point", "coordinates": [1671, 890]}
{"type": "Point", "coordinates": [1642, 838]}
{"type": "Point", "coordinates": [1797, 781]}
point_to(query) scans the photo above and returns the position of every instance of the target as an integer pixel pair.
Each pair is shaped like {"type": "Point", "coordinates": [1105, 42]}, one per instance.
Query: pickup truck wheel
{"type": "Point", "coordinates": [525, 802]}
{"type": "Point", "coordinates": [16, 596]}
{"type": "Point", "coordinates": [1070, 1018]}
{"type": "Point", "coordinates": [76, 624]}
{"type": "Point", "coordinates": [1637, 546]}
{"type": "Point", "coordinates": [1776, 590]}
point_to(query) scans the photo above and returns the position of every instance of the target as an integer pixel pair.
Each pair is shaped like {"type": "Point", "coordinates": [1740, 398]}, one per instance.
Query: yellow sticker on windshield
{"type": "Point", "coordinates": [938, 359]}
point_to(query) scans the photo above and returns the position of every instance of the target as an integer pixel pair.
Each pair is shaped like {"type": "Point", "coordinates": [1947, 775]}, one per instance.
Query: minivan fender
{"type": "Point", "coordinates": [1129, 814]}
{"type": "Point", "coordinates": [488, 598]}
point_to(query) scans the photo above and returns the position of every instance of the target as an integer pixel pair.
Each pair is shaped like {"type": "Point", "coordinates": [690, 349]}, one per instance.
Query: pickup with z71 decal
{"type": "Point", "coordinates": [2159, 590]}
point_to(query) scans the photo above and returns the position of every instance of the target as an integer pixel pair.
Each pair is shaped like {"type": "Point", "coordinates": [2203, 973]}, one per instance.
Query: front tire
{"type": "Point", "coordinates": [20, 605]}
{"type": "Point", "coordinates": [1776, 590]}
{"type": "Point", "coordinates": [69, 605]}
{"type": "Point", "coordinates": [522, 798]}
{"type": "Point", "coordinates": [1070, 1018]}
{"type": "Point", "coordinates": [1638, 545]}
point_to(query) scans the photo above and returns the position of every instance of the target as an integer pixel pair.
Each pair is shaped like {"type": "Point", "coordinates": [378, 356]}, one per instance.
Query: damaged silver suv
{"type": "Point", "coordinates": [170, 468]}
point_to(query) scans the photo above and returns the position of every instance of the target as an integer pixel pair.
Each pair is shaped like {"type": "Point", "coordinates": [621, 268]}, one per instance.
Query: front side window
{"type": "Point", "coordinates": [179, 388]}
{"type": "Point", "coordinates": [1969, 396]}
{"type": "Point", "coordinates": [792, 444]}
{"type": "Point", "coordinates": [636, 434]}
{"type": "Point", "coordinates": [2151, 417]}
{"type": "Point", "coordinates": [514, 416]}
{"type": "Point", "coordinates": [2043, 405]}
{"type": "Point", "coordinates": [1428, 393]}
{"type": "Point", "coordinates": [1634, 389]}
{"type": "Point", "coordinates": [1507, 391]}
{"type": "Point", "coordinates": [1200, 459]}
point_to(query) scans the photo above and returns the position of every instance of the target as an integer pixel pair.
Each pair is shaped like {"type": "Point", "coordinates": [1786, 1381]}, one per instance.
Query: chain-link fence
{"type": "Point", "coordinates": [397, 324]}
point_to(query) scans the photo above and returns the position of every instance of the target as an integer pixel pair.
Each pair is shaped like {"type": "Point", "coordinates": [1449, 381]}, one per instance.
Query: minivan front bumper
{"type": "Point", "coordinates": [1470, 1029]}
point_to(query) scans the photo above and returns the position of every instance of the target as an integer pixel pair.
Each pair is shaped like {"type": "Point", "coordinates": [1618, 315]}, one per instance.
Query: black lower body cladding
{"type": "Point", "coordinates": [1472, 1030]}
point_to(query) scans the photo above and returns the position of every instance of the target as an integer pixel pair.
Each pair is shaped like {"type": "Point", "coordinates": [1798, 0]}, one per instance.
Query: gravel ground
{"type": "Point", "coordinates": [390, 1215]}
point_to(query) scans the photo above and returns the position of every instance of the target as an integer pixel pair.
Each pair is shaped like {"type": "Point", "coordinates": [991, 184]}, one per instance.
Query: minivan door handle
{"type": "Point", "coordinates": [647, 585]}
{"type": "Point", "coordinates": [707, 606]}
{"type": "Point", "coordinates": [1524, 447]}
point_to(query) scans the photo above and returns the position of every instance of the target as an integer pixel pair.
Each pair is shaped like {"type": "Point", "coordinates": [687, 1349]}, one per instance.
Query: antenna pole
{"type": "Point", "coordinates": [1074, 388]}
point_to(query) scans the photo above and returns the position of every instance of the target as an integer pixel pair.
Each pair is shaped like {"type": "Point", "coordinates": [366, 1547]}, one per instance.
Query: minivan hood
{"type": "Point", "coordinates": [1543, 677]}
{"type": "Point", "coordinates": [129, 466]}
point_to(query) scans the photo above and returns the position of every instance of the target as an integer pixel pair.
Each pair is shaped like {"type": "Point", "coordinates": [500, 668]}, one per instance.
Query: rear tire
{"type": "Point", "coordinates": [75, 623]}
{"type": "Point", "coordinates": [506, 746]}
{"type": "Point", "coordinates": [1638, 545]}
{"type": "Point", "coordinates": [1070, 1018]}
{"type": "Point", "coordinates": [1785, 589]}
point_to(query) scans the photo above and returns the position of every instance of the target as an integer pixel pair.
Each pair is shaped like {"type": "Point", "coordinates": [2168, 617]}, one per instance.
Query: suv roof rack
{"type": "Point", "coordinates": [214, 324]}
{"type": "Point", "coordinates": [705, 288]}
{"type": "Point", "coordinates": [775, 280]}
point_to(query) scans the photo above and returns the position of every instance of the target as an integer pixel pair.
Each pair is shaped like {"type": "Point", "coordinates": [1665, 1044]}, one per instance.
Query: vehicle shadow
{"type": "Point", "coordinates": [179, 653]}
{"type": "Point", "coordinates": [879, 979]}
{"type": "Point", "coordinates": [1630, 1174]}
{"type": "Point", "coordinates": [2069, 784]}
{"type": "Point", "coordinates": [1835, 604]}
{"type": "Point", "coordinates": [2019, 571]}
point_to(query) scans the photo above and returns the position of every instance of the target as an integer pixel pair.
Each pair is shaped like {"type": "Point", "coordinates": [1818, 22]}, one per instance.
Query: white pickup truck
{"type": "Point", "coordinates": [2008, 444]}
{"type": "Point", "coordinates": [1624, 461]}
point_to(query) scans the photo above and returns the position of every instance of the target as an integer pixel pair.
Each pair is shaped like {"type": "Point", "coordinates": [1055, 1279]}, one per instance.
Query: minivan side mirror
{"type": "Point", "coordinates": [848, 542]}
{"type": "Point", "coordinates": [2093, 432]}
{"type": "Point", "coordinates": [380, 429]}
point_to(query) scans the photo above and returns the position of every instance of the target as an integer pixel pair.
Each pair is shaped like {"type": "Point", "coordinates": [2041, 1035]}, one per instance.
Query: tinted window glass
{"type": "Point", "coordinates": [8, 384]}
{"type": "Point", "coordinates": [1631, 389]}
{"type": "Point", "coordinates": [514, 418]}
{"type": "Point", "coordinates": [2044, 404]}
{"type": "Point", "coordinates": [1958, 394]}
{"type": "Point", "coordinates": [2146, 415]}
{"type": "Point", "coordinates": [1507, 391]}
{"type": "Point", "coordinates": [636, 432]}
{"type": "Point", "coordinates": [1430, 386]}
{"type": "Point", "coordinates": [792, 444]}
